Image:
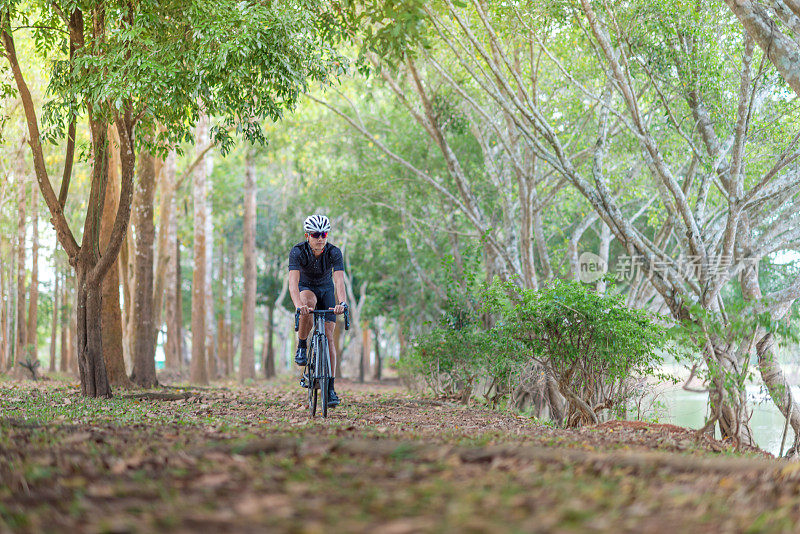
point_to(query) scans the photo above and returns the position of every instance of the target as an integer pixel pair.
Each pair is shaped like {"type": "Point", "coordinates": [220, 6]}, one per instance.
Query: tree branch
{"type": "Point", "coordinates": [58, 220]}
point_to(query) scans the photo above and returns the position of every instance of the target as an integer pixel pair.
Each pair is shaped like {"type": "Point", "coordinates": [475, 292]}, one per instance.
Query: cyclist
{"type": "Point", "coordinates": [316, 272]}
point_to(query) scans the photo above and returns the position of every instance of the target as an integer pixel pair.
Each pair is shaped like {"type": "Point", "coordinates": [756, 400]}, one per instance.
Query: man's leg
{"type": "Point", "coordinates": [329, 328]}
{"type": "Point", "coordinates": [308, 298]}
{"type": "Point", "coordinates": [333, 398]}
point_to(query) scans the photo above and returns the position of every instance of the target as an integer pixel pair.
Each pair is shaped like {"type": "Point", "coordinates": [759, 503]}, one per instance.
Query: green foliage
{"type": "Point", "coordinates": [592, 344]}
{"type": "Point", "coordinates": [235, 60]}
{"type": "Point", "coordinates": [390, 29]}
{"type": "Point", "coordinates": [449, 360]}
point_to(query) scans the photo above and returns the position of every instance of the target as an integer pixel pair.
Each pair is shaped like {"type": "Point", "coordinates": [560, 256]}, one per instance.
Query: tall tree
{"type": "Point", "coordinates": [113, 354]}
{"type": "Point", "coordinates": [227, 321]}
{"type": "Point", "coordinates": [54, 323]}
{"type": "Point", "coordinates": [166, 247]}
{"type": "Point", "coordinates": [63, 363]}
{"type": "Point", "coordinates": [90, 268]}
{"type": "Point", "coordinates": [247, 359]}
{"type": "Point", "coordinates": [4, 305]}
{"type": "Point", "coordinates": [21, 324]}
{"type": "Point", "coordinates": [212, 360]}
{"type": "Point", "coordinates": [137, 66]}
{"type": "Point", "coordinates": [127, 282]}
{"type": "Point", "coordinates": [33, 301]}
{"type": "Point", "coordinates": [144, 366]}
{"type": "Point", "coordinates": [172, 276]}
{"type": "Point", "coordinates": [224, 366]}
{"type": "Point", "coordinates": [198, 368]}
{"type": "Point", "coordinates": [268, 351]}
{"type": "Point", "coordinates": [377, 374]}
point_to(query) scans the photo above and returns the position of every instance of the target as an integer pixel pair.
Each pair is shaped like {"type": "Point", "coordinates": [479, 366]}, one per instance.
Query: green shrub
{"type": "Point", "coordinates": [593, 345]}
{"type": "Point", "coordinates": [459, 358]}
{"type": "Point", "coordinates": [596, 350]}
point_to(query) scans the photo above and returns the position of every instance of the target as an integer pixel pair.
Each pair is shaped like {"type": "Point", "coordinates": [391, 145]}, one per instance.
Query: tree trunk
{"type": "Point", "coordinates": [127, 280]}
{"type": "Point", "coordinates": [33, 303]}
{"type": "Point", "coordinates": [378, 364]}
{"type": "Point", "coordinates": [91, 268]}
{"type": "Point", "coordinates": [4, 301]}
{"type": "Point", "coordinates": [363, 368]}
{"type": "Point", "coordinates": [212, 361]}
{"type": "Point", "coordinates": [219, 317]}
{"type": "Point", "coordinates": [66, 305]}
{"type": "Point", "coordinates": [247, 360]}
{"type": "Point", "coordinates": [779, 47]}
{"type": "Point", "coordinates": [174, 360]}
{"type": "Point", "coordinates": [166, 247]}
{"type": "Point", "coordinates": [605, 246]}
{"type": "Point", "coordinates": [21, 323]}
{"type": "Point", "coordinates": [54, 325]}
{"type": "Point", "coordinates": [183, 349]}
{"type": "Point", "coordinates": [144, 365]}
{"type": "Point", "coordinates": [227, 332]}
{"type": "Point", "coordinates": [89, 292]}
{"type": "Point", "coordinates": [224, 368]}
{"type": "Point", "coordinates": [779, 388]}
{"type": "Point", "coordinates": [727, 398]}
{"type": "Point", "coordinates": [198, 369]}
{"type": "Point", "coordinates": [113, 354]}
{"type": "Point", "coordinates": [771, 372]}
{"type": "Point", "coordinates": [92, 369]}
{"type": "Point", "coordinates": [12, 307]}
{"type": "Point", "coordinates": [72, 342]}
{"type": "Point", "coordinates": [401, 339]}
{"type": "Point", "coordinates": [269, 353]}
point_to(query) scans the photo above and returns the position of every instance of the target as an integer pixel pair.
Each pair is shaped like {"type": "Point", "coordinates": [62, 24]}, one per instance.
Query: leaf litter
{"type": "Point", "coordinates": [250, 459]}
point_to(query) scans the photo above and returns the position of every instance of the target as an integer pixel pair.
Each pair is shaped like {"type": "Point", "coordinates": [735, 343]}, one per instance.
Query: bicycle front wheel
{"type": "Point", "coordinates": [324, 380]}
{"type": "Point", "coordinates": [312, 397]}
{"type": "Point", "coordinates": [324, 384]}
{"type": "Point", "coordinates": [313, 360]}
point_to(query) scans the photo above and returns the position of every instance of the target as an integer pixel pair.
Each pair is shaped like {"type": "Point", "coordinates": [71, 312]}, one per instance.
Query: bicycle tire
{"type": "Point", "coordinates": [312, 374]}
{"type": "Point", "coordinates": [312, 401]}
{"type": "Point", "coordinates": [323, 393]}
{"type": "Point", "coordinates": [324, 375]}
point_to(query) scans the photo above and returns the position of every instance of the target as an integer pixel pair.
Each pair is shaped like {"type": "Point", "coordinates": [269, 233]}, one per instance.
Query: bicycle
{"type": "Point", "coordinates": [317, 372]}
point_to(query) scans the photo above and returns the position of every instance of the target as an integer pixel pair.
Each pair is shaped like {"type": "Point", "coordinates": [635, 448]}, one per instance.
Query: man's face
{"type": "Point", "coordinates": [317, 240]}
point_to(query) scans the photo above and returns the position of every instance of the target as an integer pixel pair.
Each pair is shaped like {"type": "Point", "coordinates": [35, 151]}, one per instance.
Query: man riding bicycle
{"type": "Point", "coordinates": [316, 272]}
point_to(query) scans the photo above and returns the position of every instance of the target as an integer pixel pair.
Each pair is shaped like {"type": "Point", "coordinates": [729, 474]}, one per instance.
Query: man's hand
{"type": "Point", "coordinates": [304, 310]}
{"type": "Point", "coordinates": [339, 309]}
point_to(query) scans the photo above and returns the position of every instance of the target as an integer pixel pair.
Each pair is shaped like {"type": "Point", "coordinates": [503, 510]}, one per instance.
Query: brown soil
{"type": "Point", "coordinates": [232, 459]}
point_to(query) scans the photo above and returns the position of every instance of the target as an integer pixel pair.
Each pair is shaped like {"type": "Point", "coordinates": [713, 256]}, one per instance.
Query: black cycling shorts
{"type": "Point", "coordinates": [326, 299]}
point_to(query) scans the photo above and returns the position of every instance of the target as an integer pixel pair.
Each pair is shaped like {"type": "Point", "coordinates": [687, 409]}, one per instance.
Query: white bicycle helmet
{"type": "Point", "coordinates": [317, 223]}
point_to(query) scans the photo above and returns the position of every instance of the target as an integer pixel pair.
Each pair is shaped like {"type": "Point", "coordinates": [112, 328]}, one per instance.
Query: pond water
{"type": "Point", "coordinates": [684, 408]}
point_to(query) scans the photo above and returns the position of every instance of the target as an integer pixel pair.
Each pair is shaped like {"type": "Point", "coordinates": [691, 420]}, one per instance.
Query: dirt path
{"type": "Point", "coordinates": [250, 460]}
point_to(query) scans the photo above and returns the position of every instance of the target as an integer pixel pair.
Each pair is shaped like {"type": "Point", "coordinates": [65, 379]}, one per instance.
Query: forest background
{"type": "Point", "coordinates": [450, 143]}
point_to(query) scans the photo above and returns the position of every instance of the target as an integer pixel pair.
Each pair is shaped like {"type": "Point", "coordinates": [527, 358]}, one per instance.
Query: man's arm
{"type": "Point", "coordinates": [341, 292]}
{"type": "Point", "coordinates": [294, 292]}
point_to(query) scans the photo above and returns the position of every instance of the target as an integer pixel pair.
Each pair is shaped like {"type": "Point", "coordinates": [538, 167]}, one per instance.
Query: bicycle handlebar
{"type": "Point", "coordinates": [320, 312]}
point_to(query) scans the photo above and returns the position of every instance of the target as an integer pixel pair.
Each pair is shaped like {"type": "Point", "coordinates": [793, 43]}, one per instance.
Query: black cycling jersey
{"type": "Point", "coordinates": [315, 270]}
